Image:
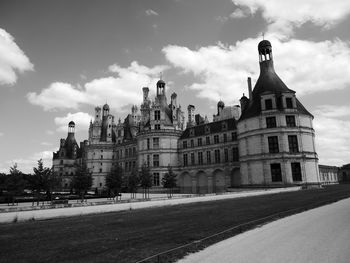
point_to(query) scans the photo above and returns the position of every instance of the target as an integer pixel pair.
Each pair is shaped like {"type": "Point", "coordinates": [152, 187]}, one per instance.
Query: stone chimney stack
{"type": "Point", "coordinates": [191, 119]}
{"type": "Point", "coordinates": [250, 92]}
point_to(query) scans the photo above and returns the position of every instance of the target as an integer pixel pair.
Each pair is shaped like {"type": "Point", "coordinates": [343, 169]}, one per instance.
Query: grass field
{"type": "Point", "coordinates": [133, 235]}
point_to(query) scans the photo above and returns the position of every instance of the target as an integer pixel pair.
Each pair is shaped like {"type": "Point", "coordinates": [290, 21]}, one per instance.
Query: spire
{"type": "Point", "coordinates": [265, 56]}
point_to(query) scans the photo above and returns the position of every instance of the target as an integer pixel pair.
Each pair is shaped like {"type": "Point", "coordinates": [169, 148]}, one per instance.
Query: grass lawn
{"type": "Point", "coordinates": [133, 235]}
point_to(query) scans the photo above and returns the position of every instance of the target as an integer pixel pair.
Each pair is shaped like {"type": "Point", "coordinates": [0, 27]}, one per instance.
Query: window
{"type": "Point", "coordinates": [289, 103]}
{"type": "Point", "coordinates": [192, 159]}
{"type": "Point", "coordinates": [101, 156]}
{"type": "Point", "coordinates": [217, 156]}
{"type": "Point", "coordinates": [226, 155]}
{"type": "Point", "coordinates": [119, 133]}
{"type": "Point", "coordinates": [184, 144]}
{"type": "Point", "coordinates": [290, 121]}
{"type": "Point", "coordinates": [276, 174]}
{"type": "Point", "coordinates": [134, 151]}
{"type": "Point", "coordinates": [271, 122]}
{"type": "Point", "coordinates": [235, 154]}
{"type": "Point", "coordinates": [155, 160]}
{"type": "Point", "coordinates": [225, 137]}
{"type": "Point", "coordinates": [156, 179]}
{"type": "Point", "coordinates": [117, 154]}
{"type": "Point", "coordinates": [101, 151]}
{"type": "Point", "coordinates": [273, 144]}
{"type": "Point", "coordinates": [192, 143]}
{"type": "Point", "coordinates": [296, 172]}
{"type": "Point", "coordinates": [224, 126]}
{"type": "Point", "coordinates": [148, 160]}
{"type": "Point", "coordinates": [155, 143]}
{"type": "Point", "coordinates": [207, 140]}
{"type": "Point", "coordinates": [126, 153]}
{"type": "Point", "coordinates": [157, 126]}
{"type": "Point", "coordinates": [199, 141]}
{"type": "Point", "coordinates": [216, 138]}
{"type": "Point", "coordinates": [234, 136]}
{"type": "Point", "coordinates": [61, 162]}
{"type": "Point", "coordinates": [133, 164]}
{"type": "Point", "coordinates": [156, 115]}
{"type": "Point", "coordinates": [100, 170]}
{"type": "Point", "coordinates": [148, 144]}
{"type": "Point", "coordinates": [185, 159]}
{"type": "Point", "coordinates": [208, 157]}
{"type": "Point", "coordinates": [293, 143]}
{"type": "Point", "coordinates": [268, 104]}
{"type": "Point", "coordinates": [200, 157]}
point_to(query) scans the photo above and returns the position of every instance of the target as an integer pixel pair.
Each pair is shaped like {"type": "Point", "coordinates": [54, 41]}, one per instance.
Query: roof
{"type": "Point", "coordinates": [264, 44]}
{"type": "Point", "coordinates": [71, 123]}
{"type": "Point", "coordinates": [214, 127]}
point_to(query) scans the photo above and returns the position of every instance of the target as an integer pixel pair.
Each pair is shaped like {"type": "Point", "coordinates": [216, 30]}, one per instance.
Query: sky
{"type": "Point", "coordinates": [60, 59]}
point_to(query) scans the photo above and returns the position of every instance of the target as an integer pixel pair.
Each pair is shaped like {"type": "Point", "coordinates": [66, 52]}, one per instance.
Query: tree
{"type": "Point", "coordinates": [133, 183]}
{"type": "Point", "coordinates": [169, 181]}
{"type": "Point", "coordinates": [145, 180]}
{"type": "Point", "coordinates": [14, 183]}
{"type": "Point", "coordinates": [114, 180]}
{"type": "Point", "coordinates": [82, 181]}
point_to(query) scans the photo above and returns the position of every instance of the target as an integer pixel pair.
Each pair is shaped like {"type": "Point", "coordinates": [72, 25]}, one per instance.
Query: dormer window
{"type": "Point", "coordinates": [268, 104]}
{"type": "Point", "coordinates": [191, 132]}
{"type": "Point", "coordinates": [207, 129]}
{"type": "Point", "coordinates": [289, 103]}
{"type": "Point", "coordinates": [157, 115]}
{"type": "Point", "coordinates": [224, 126]}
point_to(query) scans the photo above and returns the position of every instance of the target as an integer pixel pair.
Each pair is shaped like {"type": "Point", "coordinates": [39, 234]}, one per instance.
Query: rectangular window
{"type": "Point", "coordinates": [134, 151]}
{"type": "Point", "coordinates": [148, 160]}
{"type": "Point", "coordinates": [101, 156]}
{"type": "Point", "coordinates": [192, 159]}
{"type": "Point", "coordinates": [155, 143]}
{"type": "Point", "coordinates": [296, 172]}
{"type": "Point", "coordinates": [289, 103]}
{"type": "Point", "coordinates": [100, 170]}
{"type": "Point", "coordinates": [273, 144]}
{"type": "Point", "coordinates": [216, 138]}
{"type": "Point", "coordinates": [148, 144]}
{"type": "Point", "coordinates": [157, 126]}
{"type": "Point", "coordinates": [155, 160]}
{"type": "Point", "coordinates": [217, 156]}
{"type": "Point", "coordinates": [276, 174]}
{"type": "Point", "coordinates": [293, 143]}
{"type": "Point", "coordinates": [226, 155]}
{"type": "Point", "coordinates": [199, 141]}
{"type": "Point", "coordinates": [185, 159]}
{"type": "Point", "coordinates": [117, 154]}
{"type": "Point", "coordinates": [192, 143]}
{"type": "Point", "coordinates": [184, 144]}
{"type": "Point", "coordinates": [225, 137]}
{"type": "Point", "coordinates": [271, 122]}
{"type": "Point", "coordinates": [200, 158]}
{"type": "Point", "coordinates": [235, 154]}
{"type": "Point", "coordinates": [290, 121]}
{"type": "Point", "coordinates": [234, 136]}
{"type": "Point", "coordinates": [126, 153]}
{"type": "Point", "coordinates": [126, 166]}
{"type": "Point", "coordinates": [208, 157]}
{"type": "Point", "coordinates": [207, 140]}
{"type": "Point", "coordinates": [268, 104]}
{"type": "Point", "coordinates": [156, 115]}
{"type": "Point", "coordinates": [156, 179]}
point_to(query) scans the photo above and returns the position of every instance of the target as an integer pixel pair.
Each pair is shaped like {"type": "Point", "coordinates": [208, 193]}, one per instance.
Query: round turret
{"type": "Point", "coordinates": [264, 44]}
{"type": "Point", "coordinates": [160, 82]}
{"type": "Point", "coordinates": [71, 123]}
{"type": "Point", "coordinates": [221, 104]}
{"type": "Point", "coordinates": [71, 127]}
{"type": "Point", "coordinates": [106, 107]}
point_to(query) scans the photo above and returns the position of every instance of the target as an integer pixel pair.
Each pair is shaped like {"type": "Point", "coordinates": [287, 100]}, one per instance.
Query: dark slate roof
{"type": "Point", "coordinates": [215, 127]}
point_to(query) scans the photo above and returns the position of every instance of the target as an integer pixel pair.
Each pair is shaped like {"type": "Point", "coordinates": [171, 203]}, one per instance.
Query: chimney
{"type": "Point", "coordinates": [250, 88]}
{"type": "Point", "coordinates": [191, 119]}
{"type": "Point", "coordinates": [145, 93]}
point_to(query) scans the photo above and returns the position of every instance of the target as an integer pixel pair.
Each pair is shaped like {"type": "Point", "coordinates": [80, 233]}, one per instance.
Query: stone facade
{"type": "Point", "coordinates": [266, 141]}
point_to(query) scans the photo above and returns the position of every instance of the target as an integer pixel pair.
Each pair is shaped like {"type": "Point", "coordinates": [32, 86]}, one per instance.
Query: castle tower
{"type": "Point", "coordinates": [275, 133]}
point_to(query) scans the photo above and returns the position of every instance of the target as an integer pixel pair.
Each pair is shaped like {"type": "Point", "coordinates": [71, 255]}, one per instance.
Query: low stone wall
{"type": "Point", "coordinates": [57, 211]}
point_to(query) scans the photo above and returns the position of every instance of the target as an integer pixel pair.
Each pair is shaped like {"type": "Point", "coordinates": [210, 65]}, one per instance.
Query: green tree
{"type": "Point", "coordinates": [82, 181]}
{"type": "Point", "coordinates": [114, 180]}
{"type": "Point", "coordinates": [169, 181]}
{"type": "Point", "coordinates": [14, 183]}
{"type": "Point", "coordinates": [133, 182]}
{"type": "Point", "coordinates": [145, 180]}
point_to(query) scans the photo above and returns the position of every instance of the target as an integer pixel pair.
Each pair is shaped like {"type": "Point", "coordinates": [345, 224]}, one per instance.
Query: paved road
{"type": "Point", "coordinates": [318, 235]}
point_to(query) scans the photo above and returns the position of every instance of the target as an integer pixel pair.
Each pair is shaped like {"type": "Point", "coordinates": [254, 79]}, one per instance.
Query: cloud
{"type": "Point", "coordinates": [333, 111]}
{"type": "Point", "coordinates": [239, 13]}
{"type": "Point", "coordinates": [81, 120]}
{"type": "Point", "coordinates": [151, 12]}
{"type": "Point", "coordinates": [1, 134]}
{"type": "Point", "coordinates": [283, 16]}
{"type": "Point", "coordinates": [119, 91]}
{"type": "Point", "coordinates": [46, 143]}
{"type": "Point", "coordinates": [305, 66]}
{"type": "Point", "coordinates": [12, 59]}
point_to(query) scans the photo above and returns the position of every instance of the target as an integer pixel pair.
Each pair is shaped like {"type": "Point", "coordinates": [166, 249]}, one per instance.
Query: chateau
{"type": "Point", "coordinates": [267, 140]}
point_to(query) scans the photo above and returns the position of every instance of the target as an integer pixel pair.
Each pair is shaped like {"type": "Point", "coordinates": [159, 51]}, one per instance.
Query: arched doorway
{"type": "Point", "coordinates": [202, 182]}
{"type": "Point", "coordinates": [219, 181]}
{"type": "Point", "coordinates": [185, 183]}
{"type": "Point", "coordinates": [235, 177]}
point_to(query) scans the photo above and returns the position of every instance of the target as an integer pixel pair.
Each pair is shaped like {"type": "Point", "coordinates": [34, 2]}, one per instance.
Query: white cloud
{"type": "Point", "coordinates": [305, 66]}
{"type": "Point", "coordinates": [12, 59]}
{"type": "Point", "coordinates": [46, 143]}
{"type": "Point", "coordinates": [333, 111]}
{"type": "Point", "coordinates": [118, 91]}
{"type": "Point", "coordinates": [151, 12]}
{"type": "Point", "coordinates": [239, 13]}
{"type": "Point", "coordinates": [49, 132]}
{"type": "Point", "coordinates": [81, 120]}
{"type": "Point", "coordinates": [1, 134]}
{"type": "Point", "coordinates": [283, 16]}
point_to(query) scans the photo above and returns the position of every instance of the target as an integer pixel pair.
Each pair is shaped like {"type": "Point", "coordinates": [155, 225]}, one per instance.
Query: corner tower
{"type": "Point", "coordinates": [275, 133]}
